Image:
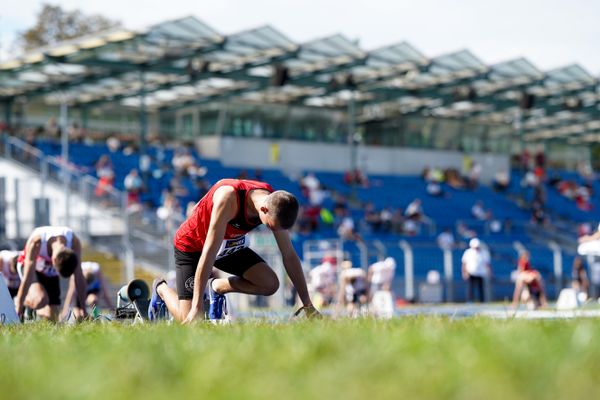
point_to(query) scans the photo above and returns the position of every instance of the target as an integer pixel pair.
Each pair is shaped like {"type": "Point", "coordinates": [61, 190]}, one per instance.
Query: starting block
{"type": "Point", "coordinates": [8, 314]}
{"type": "Point", "coordinates": [132, 301]}
{"type": "Point", "coordinates": [567, 300]}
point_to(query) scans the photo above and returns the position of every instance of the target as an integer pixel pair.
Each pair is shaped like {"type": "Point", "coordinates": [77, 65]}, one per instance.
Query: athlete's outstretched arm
{"type": "Point", "coordinates": [224, 209]}
{"type": "Point", "coordinates": [32, 250]}
{"type": "Point", "coordinates": [292, 265]}
{"type": "Point", "coordinates": [78, 280]}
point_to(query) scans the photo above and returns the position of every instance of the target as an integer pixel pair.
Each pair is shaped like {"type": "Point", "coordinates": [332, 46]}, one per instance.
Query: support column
{"type": "Point", "coordinates": [8, 112]}
{"type": "Point", "coordinates": [64, 139]}
{"type": "Point", "coordinates": [352, 141]}
{"type": "Point", "coordinates": [84, 117]}
{"type": "Point", "coordinates": [144, 161]}
{"type": "Point", "coordinates": [143, 114]}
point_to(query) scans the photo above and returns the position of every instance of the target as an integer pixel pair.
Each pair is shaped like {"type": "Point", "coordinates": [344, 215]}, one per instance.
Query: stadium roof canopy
{"type": "Point", "coordinates": [184, 62]}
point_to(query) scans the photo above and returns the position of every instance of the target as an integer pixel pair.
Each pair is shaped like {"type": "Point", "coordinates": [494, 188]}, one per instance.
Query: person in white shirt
{"type": "Point", "coordinates": [475, 267]}
{"type": "Point", "coordinates": [323, 280]}
{"type": "Point", "coordinates": [354, 288]}
{"type": "Point", "coordinates": [589, 245]}
{"type": "Point", "coordinates": [381, 274]}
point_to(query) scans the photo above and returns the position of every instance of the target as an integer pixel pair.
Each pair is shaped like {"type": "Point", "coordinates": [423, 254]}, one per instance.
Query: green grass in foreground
{"type": "Point", "coordinates": [411, 358]}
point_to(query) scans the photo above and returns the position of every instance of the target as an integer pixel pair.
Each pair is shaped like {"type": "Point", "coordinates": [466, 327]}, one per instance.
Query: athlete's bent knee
{"type": "Point", "coordinates": [36, 300]}
{"type": "Point", "coordinates": [270, 287]}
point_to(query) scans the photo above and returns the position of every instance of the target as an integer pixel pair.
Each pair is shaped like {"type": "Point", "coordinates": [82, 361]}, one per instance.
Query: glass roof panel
{"type": "Point", "coordinates": [458, 61]}
{"type": "Point", "coordinates": [188, 29]}
{"type": "Point", "coordinates": [517, 68]}
{"type": "Point", "coordinates": [397, 54]}
{"type": "Point", "coordinates": [571, 74]}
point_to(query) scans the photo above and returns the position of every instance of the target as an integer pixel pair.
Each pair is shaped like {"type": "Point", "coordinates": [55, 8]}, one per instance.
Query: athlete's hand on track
{"type": "Point", "coordinates": [19, 308]}
{"type": "Point", "coordinates": [309, 311]}
{"type": "Point", "coordinates": [80, 314]}
{"type": "Point", "coordinates": [192, 316]}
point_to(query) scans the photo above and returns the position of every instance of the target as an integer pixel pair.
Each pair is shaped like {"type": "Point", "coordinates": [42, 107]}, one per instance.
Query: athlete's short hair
{"type": "Point", "coordinates": [284, 207]}
{"type": "Point", "coordinates": [66, 262]}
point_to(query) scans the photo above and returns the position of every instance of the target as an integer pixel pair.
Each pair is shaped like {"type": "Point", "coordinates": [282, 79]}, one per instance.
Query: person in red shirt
{"type": "Point", "coordinates": [215, 235]}
{"type": "Point", "coordinates": [530, 278]}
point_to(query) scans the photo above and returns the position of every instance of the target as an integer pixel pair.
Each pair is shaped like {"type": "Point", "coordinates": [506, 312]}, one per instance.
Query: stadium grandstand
{"type": "Point", "coordinates": [500, 152]}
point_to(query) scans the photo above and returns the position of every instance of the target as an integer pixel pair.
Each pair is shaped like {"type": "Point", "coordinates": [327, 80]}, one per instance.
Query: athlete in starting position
{"type": "Point", "coordinates": [50, 252]}
{"type": "Point", "coordinates": [215, 235]}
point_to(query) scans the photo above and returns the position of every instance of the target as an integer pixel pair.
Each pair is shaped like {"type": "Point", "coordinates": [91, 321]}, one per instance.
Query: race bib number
{"type": "Point", "coordinates": [230, 246]}
{"type": "Point", "coordinates": [45, 268]}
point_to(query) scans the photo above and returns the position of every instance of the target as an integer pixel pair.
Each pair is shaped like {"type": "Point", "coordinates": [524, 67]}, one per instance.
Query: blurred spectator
{"type": "Point", "coordinates": [473, 176]}
{"type": "Point", "coordinates": [540, 159]}
{"type": "Point", "coordinates": [475, 268]}
{"type": "Point", "coordinates": [525, 159]}
{"type": "Point", "coordinates": [104, 166]}
{"type": "Point", "coordinates": [410, 227]}
{"type": "Point", "coordinates": [539, 194]}
{"type": "Point", "coordinates": [177, 187]}
{"type": "Point", "coordinates": [372, 217]}
{"type": "Point", "coordinates": [106, 176]}
{"type": "Point", "coordinates": [579, 279]}
{"type": "Point", "coordinates": [529, 180]}
{"type": "Point", "coordinates": [308, 183]}
{"type": "Point", "coordinates": [479, 212]}
{"type": "Point", "coordinates": [530, 279]}
{"type": "Point", "coordinates": [183, 160]}
{"type": "Point", "coordinates": [540, 174]}
{"type": "Point", "coordinates": [464, 231]}
{"type": "Point", "coordinates": [381, 275]}
{"type": "Point", "coordinates": [113, 143]}
{"type": "Point", "coordinates": [354, 289]}
{"type": "Point", "coordinates": [51, 127]}
{"type": "Point", "coordinates": [346, 229]}
{"type": "Point", "coordinates": [170, 211]}
{"type": "Point", "coordinates": [453, 179]}
{"type": "Point", "coordinates": [398, 221]}
{"type": "Point", "coordinates": [538, 215]}
{"type": "Point", "coordinates": [356, 177]}
{"type": "Point", "coordinates": [435, 189]}
{"type": "Point", "coordinates": [133, 184]}
{"type": "Point", "coordinates": [445, 239]}
{"type": "Point", "coordinates": [386, 218]}
{"type": "Point", "coordinates": [435, 175]}
{"type": "Point", "coordinates": [414, 210]}
{"type": "Point", "coordinates": [501, 180]}
{"type": "Point", "coordinates": [323, 282]}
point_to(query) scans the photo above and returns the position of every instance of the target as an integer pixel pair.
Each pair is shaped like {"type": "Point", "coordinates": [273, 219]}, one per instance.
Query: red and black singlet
{"type": "Point", "coordinates": [191, 235]}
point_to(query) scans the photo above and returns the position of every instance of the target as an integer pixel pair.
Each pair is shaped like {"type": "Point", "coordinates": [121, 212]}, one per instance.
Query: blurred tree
{"type": "Point", "coordinates": [55, 25]}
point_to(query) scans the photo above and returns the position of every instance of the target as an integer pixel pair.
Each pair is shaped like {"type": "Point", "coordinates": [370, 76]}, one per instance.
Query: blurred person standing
{"type": "Point", "coordinates": [579, 278]}
{"type": "Point", "coordinates": [475, 268]}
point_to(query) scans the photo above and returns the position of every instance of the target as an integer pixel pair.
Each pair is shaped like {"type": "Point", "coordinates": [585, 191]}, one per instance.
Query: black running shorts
{"type": "Point", "coordinates": [186, 263]}
{"type": "Point", "coordinates": [52, 286]}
